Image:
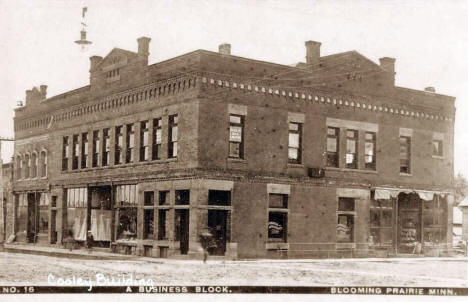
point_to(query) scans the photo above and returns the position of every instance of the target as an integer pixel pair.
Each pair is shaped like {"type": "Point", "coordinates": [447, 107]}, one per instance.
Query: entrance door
{"type": "Point", "coordinates": [182, 229]}
{"type": "Point", "coordinates": [217, 222]}
{"type": "Point", "coordinates": [32, 221]}
{"type": "Point", "coordinates": [409, 223]}
{"type": "Point", "coordinates": [53, 232]}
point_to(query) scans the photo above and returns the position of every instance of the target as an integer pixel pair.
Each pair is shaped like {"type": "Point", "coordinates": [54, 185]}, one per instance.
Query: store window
{"type": "Point", "coordinates": [130, 143]}
{"type": "Point", "coordinates": [21, 214]}
{"type": "Point", "coordinates": [84, 150]}
{"type": "Point", "coordinates": [96, 147]}
{"type": "Point", "coordinates": [405, 154]}
{"type": "Point", "coordinates": [351, 149]}
{"type": "Point", "coordinates": [162, 215]}
{"type": "Point", "coordinates": [44, 212]}
{"type": "Point", "coordinates": [127, 207]}
{"type": "Point", "coordinates": [381, 217]}
{"type": "Point", "coordinates": [345, 224]}
{"type": "Point", "coordinates": [105, 147]}
{"type": "Point", "coordinates": [144, 141]}
{"type": "Point", "coordinates": [101, 215]}
{"type": "Point", "coordinates": [370, 150]}
{"type": "Point", "coordinates": [157, 138]}
{"type": "Point", "coordinates": [295, 143]}
{"type": "Point", "coordinates": [437, 147]}
{"type": "Point", "coordinates": [277, 217]}
{"type": "Point", "coordinates": [77, 208]}
{"type": "Point", "coordinates": [236, 136]}
{"type": "Point", "coordinates": [65, 153]}
{"type": "Point", "coordinates": [148, 215]}
{"type": "Point", "coordinates": [118, 145]}
{"type": "Point", "coordinates": [434, 215]}
{"type": "Point", "coordinates": [75, 152]}
{"type": "Point", "coordinates": [333, 135]}
{"type": "Point", "coordinates": [173, 136]}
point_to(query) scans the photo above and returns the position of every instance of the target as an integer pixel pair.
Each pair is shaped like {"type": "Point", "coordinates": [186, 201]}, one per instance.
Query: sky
{"type": "Point", "coordinates": [429, 40]}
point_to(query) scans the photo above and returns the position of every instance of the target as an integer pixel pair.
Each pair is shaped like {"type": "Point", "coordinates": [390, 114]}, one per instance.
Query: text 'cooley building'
{"type": "Point", "coordinates": [327, 158]}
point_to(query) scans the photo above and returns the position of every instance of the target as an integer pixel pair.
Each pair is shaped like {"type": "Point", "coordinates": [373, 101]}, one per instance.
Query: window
{"type": "Point", "coordinates": [182, 197]}
{"type": "Point", "coordinates": [105, 147]}
{"type": "Point", "coordinates": [381, 216]}
{"type": "Point", "coordinates": [162, 215]}
{"type": "Point", "coordinates": [77, 209]}
{"type": "Point", "coordinates": [277, 217]}
{"type": "Point", "coordinates": [34, 162]}
{"type": "Point", "coordinates": [236, 136]}
{"type": "Point", "coordinates": [156, 138]}
{"type": "Point", "coordinates": [173, 136]}
{"type": "Point", "coordinates": [333, 135]}
{"type": "Point", "coordinates": [126, 203]}
{"type": "Point", "coordinates": [405, 154]}
{"type": "Point", "coordinates": [43, 213]}
{"type": "Point", "coordinates": [351, 149]}
{"type": "Point", "coordinates": [95, 150]}
{"type": "Point", "coordinates": [219, 198]}
{"type": "Point", "coordinates": [345, 223]}
{"type": "Point", "coordinates": [43, 164]}
{"type": "Point", "coordinates": [144, 141]}
{"type": "Point", "coordinates": [65, 153]}
{"type": "Point", "coordinates": [369, 149]}
{"type": "Point", "coordinates": [19, 167]}
{"type": "Point", "coordinates": [130, 143]}
{"type": "Point", "coordinates": [84, 150]}
{"type": "Point", "coordinates": [27, 164]}
{"type": "Point", "coordinates": [295, 143]}
{"type": "Point", "coordinates": [118, 145]}
{"type": "Point", "coordinates": [76, 152]}
{"type": "Point", "coordinates": [148, 215]}
{"type": "Point", "coordinates": [163, 198]}
{"type": "Point", "coordinates": [434, 214]}
{"type": "Point", "coordinates": [437, 147]}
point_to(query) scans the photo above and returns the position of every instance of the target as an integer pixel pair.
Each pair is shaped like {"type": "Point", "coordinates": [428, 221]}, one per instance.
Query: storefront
{"type": "Point", "coordinates": [32, 217]}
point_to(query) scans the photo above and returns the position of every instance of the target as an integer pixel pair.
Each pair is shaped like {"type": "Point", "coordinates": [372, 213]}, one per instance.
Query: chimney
{"type": "Point", "coordinates": [388, 64]}
{"type": "Point", "coordinates": [28, 95]}
{"type": "Point", "coordinates": [94, 60]}
{"type": "Point", "coordinates": [225, 49]}
{"type": "Point", "coordinates": [430, 89]}
{"type": "Point", "coordinates": [43, 91]}
{"type": "Point", "coordinates": [143, 46]}
{"type": "Point", "coordinates": [312, 52]}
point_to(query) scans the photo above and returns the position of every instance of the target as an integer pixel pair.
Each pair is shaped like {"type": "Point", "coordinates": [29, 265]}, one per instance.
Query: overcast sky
{"type": "Point", "coordinates": [429, 40]}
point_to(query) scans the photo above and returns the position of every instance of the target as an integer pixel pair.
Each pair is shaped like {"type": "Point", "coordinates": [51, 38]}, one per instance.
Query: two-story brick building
{"type": "Point", "coordinates": [323, 159]}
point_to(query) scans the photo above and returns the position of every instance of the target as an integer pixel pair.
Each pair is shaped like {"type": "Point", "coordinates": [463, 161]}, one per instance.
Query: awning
{"type": "Point", "coordinates": [387, 193]}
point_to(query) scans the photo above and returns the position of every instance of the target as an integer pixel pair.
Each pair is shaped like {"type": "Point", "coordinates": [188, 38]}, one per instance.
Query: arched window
{"type": "Point", "coordinates": [43, 164]}
{"type": "Point", "coordinates": [26, 165]}
{"type": "Point", "coordinates": [34, 162]}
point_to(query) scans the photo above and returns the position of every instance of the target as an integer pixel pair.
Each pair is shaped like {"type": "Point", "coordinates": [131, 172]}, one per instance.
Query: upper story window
{"type": "Point", "coordinates": [84, 150]}
{"type": "Point", "coordinates": [113, 74]}
{"type": "Point", "coordinates": [105, 147]}
{"type": "Point", "coordinates": [144, 141]}
{"type": "Point", "coordinates": [369, 149]}
{"type": "Point", "coordinates": [236, 136]}
{"type": "Point", "coordinates": [65, 153]}
{"type": "Point", "coordinates": [333, 135]}
{"type": "Point", "coordinates": [76, 152]}
{"type": "Point", "coordinates": [173, 136]}
{"type": "Point", "coordinates": [295, 143]}
{"type": "Point", "coordinates": [130, 143]}
{"type": "Point", "coordinates": [351, 149]}
{"type": "Point", "coordinates": [43, 164]}
{"type": "Point", "coordinates": [19, 167]}
{"type": "Point", "coordinates": [96, 147]}
{"type": "Point", "coordinates": [157, 138]}
{"type": "Point", "coordinates": [34, 163]}
{"type": "Point", "coordinates": [437, 147]}
{"type": "Point", "coordinates": [118, 145]}
{"type": "Point", "coordinates": [27, 163]}
{"type": "Point", "coordinates": [405, 154]}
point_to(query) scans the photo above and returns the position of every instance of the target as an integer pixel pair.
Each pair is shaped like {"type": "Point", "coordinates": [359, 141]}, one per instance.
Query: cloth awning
{"type": "Point", "coordinates": [387, 193]}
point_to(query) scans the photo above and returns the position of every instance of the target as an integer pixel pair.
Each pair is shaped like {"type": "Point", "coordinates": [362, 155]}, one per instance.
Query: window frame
{"type": "Point", "coordinates": [355, 163]}
{"type": "Point", "coordinates": [65, 153]}
{"type": "Point", "coordinates": [173, 140]}
{"type": "Point", "coordinates": [105, 147]}
{"type": "Point", "coordinates": [232, 142]}
{"type": "Point", "coordinates": [282, 211]}
{"type": "Point", "coordinates": [84, 150]}
{"type": "Point", "coordinates": [144, 147]}
{"type": "Point", "coordinates": [130, 140]}
{"type": "Point", "coordinates": [118, 145]}
{"type": "Point", "coordinates": [96, 149]}
{"type": "Point", "coordinates": [75, 151]}
{"type": "Point", "coordinates": [298, 149]}
{"type": "Point", "coordinates": [373, 164]}
{"type": "Point", "coordinates": [346, 213]}
{"type": "Point", "coordinates": [408, 154]}
{"type": "Point", "coordinates": [333, 156]}
{"type": "Point", "coordinates": [156, 147]}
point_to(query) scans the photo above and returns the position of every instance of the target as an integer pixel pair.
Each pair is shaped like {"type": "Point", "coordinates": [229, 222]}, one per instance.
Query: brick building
{"type": "Point", "coordinates": [323, 159]}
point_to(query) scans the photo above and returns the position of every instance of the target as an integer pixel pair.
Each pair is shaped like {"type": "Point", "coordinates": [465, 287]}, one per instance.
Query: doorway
{"type": "Point", "coordinates": [409, 223]}
{"type": "Point", "coordinates": [217, 223]}
{"type": "Point", "coordinates": [182, 229]}
{"type": "Point", "coordinates": [32, 218]}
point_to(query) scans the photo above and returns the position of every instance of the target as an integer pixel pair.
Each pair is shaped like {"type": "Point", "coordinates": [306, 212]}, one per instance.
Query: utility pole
{"type": "Point", "coordinates": [2, 193]}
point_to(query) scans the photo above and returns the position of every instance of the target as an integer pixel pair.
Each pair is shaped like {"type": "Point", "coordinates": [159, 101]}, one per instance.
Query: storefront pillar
{"type": "Point", "coordinates": [195, 248]}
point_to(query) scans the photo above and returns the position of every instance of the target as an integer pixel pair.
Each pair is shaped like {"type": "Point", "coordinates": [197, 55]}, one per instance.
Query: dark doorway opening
{"type": "Point", "coordinates": [182, 229]}
{"type": "Point", "coordinates": [32, 221]}
{"type": "Point", "coordinates": [53, 231]}
{"type": "Point", "coordinates": [100, 216]}
{"type": "Point", "coordinates": [409, 223]}
{"type": "Point", "coordinates": [217, 223]}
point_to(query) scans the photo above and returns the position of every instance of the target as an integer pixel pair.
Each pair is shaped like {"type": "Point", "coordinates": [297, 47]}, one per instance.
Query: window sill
{"type": "Point", "coordinates": [351, 170]}
{"type": "Point", "coordinates": [277, 246]}
{"type": "Point", "coordinates": [127, 165]}
{"type": "Point", "coordinates": [237, 160]}
{"type": "Point", "coordinates": [291, 165]}
{"type": "Point", "coordinates": [406, 174]}
{"type": "Point", "coordinates": [438, 157]}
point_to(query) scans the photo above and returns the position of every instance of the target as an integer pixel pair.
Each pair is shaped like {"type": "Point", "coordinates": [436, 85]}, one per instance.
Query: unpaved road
{"type": "Point", "coordinates": [22, 269]}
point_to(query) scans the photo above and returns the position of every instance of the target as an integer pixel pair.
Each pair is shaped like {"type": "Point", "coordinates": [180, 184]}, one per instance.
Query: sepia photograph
{"type": "Point", "coordinates": [211, 149]}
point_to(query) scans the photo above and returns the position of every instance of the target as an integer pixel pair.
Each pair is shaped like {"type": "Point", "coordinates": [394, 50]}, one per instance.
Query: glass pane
{"type": "Point", "coordinates": [174, 133]}
{"type": "Point", "coordinates": [351, 134]}
{"type": "Point", "coordinates": [278, 200]}
{"type": "Point", "coordinates": [331, 144]}
{"type": "Point", "coordinates": [234, 149]}
{"type": "Point", "coordinates": [369, 136]}
{"type": "Point", "coordinates": [369, 147]}
{"type": "Point", "coordinates": [345, 204]}
{"type": "Point", "coordinates": [294, 126]}
{"type": "Point", "coordinates": [235, 119]}
{"type": "Point", "coordinates": [158, 136]}
{"type": "Point", "coordinates": [174, 149]}
{"type": "Point", "coordinates": [386, 236]}
{"type": "Point", "coordinates": [276, 225]}
{"type": "Point", "coordinates": [294, 140]}
{"type": "Point", "coordinates": [374, 218]}
{"type": "Point", "coordinates": [386, 218]}
{"type": "Point", "coordinates": [351, 146]}
{"type": "Point", "coordinates": [344, 228]}
{"type": "Point", "coordinates": [375, 234]}
{"type": "Point", "coordinates": [293, 153]}
{"type": "Point", "coordinates": [127, 227]}
{"type": "Point", "coordinates": [349, 158]}
{"type": "Point", "coordinates": [331, 131]}
{"type": "Point", "coordinates": [145, 138]}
